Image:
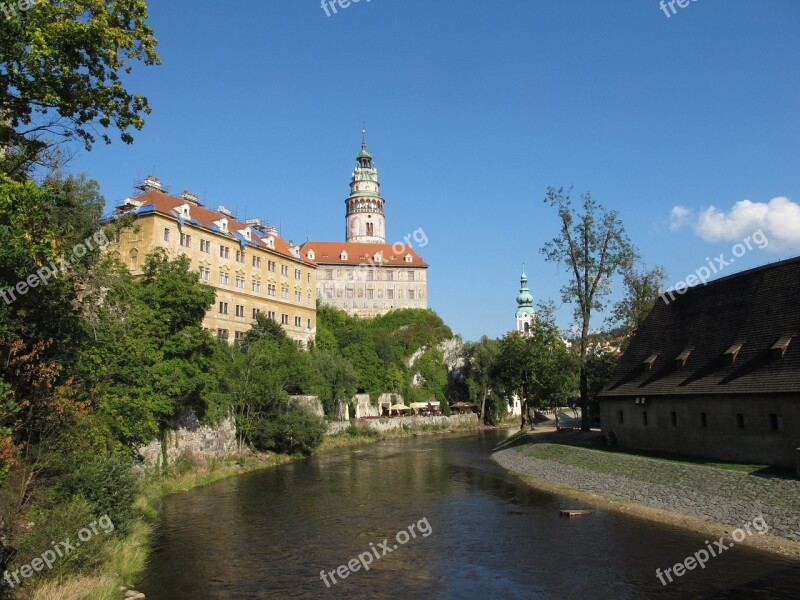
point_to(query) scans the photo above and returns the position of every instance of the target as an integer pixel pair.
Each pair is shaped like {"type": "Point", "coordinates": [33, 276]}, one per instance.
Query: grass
{"type": "Point", "coordinates": [671, 471]}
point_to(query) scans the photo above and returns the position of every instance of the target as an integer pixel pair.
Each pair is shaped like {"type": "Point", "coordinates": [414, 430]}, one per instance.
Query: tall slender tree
{"type": "Point", "coordinates": [593, 246]}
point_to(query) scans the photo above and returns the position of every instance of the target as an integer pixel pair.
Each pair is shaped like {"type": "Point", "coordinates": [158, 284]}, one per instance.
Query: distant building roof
{"type": "Point", "coordinates": [157, 201]}
{"type": "Point", "coordinates": [736, 335]}
{"type": "Point", "coordinates": [357, 253]}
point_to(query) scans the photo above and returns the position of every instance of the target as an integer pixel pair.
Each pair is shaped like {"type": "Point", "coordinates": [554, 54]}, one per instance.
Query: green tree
{"type": "Point", "coordinates": [480, 365]}
{"type": "Point", "coordinates": [336, 379]}
{"type": "Point", "coordinates": [61, 73]}
{"type": "Point", "coordinates": [593, 246]}
{"type": "Point", "coordinates": [642, 288]}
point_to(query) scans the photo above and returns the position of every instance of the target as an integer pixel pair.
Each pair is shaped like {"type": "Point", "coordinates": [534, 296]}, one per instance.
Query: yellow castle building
{"type": "Point", "coordinates": [252, 269]}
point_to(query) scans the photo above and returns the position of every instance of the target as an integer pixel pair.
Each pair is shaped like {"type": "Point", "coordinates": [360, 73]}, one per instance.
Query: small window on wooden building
{"type": "Point", "coordinates": [620, 417]}
{"type": "Point", "coordinates": [674, 418]}
{"type": "Point", "coordinates": [740, 420]}
{"type": "Point", "coordinates": [773, 422]}
{"type": "Point", "coordinates": [703, 420]}
{"type": "Point", "coordinates": [644, 418]}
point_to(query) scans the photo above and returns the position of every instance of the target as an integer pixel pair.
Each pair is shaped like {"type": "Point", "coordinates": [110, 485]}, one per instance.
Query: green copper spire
{"type": "Point", "coordinates": [524, 298]}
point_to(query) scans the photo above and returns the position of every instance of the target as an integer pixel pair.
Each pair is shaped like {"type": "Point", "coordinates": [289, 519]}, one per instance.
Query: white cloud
{"type": "Point", "coordinates": [778, 219]}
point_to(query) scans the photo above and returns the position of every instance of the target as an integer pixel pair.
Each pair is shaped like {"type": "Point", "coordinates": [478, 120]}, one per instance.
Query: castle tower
{"type": "Point", "coordinates": [365, 221]}
{"type": "Point", "coordinates": [525, 312]}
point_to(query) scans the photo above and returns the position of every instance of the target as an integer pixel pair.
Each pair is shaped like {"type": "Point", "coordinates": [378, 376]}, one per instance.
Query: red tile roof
{"type": "Point", "coordinates": [393, 255]}
{"type": "Point", "coordinates": [165, 204]}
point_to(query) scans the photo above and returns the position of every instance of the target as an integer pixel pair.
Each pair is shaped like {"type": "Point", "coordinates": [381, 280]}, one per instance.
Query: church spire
{"type": "Point", "coordinates": [525, 312]}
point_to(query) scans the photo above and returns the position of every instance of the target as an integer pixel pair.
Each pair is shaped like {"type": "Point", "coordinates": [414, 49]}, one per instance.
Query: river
{"type": "Point", "coordinates": [478, 533]}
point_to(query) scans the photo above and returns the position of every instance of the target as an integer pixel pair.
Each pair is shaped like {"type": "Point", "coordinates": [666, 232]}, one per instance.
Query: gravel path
{"type": "Point", "coordinates": [728, 497]}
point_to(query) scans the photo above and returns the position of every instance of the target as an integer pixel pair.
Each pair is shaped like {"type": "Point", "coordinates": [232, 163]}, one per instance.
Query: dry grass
{"type": "Point", "coordinates": [78, 588]}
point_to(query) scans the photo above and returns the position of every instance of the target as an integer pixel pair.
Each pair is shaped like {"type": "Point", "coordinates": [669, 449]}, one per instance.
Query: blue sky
{"type": "Point", "coordinates": [472, 110]}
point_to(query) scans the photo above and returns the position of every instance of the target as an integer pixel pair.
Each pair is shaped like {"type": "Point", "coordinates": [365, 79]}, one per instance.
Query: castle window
{"type": "Point", "coordinates": [224, 251]}
{"type": "Point", "coordinates": [166, 234]}
{"type": "Point", "coordinates": [205, 246]}
{"type": "Point", "coordinates": [369, 228]}
{"type": "Point", "coordinates": [222, 334]}
{"type": "Point", "coordinates": [411, 275]}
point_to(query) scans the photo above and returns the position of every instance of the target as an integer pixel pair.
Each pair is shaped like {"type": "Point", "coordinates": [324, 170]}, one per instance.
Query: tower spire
{"type": "Point", "coordinates": [525, 312]}
{"type": "Point", "coordinates": [364, 219]}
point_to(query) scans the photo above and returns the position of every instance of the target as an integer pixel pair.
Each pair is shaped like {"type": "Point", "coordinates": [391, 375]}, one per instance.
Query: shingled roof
{"type": "Point", "coordinates": [167, 205]}
{"type": "Point", "coordinates": [358, 253]}
{"type": "Point", "coordinates": [736, 335]}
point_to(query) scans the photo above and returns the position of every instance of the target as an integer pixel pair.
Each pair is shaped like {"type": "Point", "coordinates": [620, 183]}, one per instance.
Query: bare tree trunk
{"type": "Point", "coordinates": [584, 376]}
{"type": "Point", "coordinates": [483, 405]}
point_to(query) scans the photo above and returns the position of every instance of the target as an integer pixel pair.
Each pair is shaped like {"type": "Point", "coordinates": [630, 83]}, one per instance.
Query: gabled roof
{"type": "Point", "coordinates": [330, 253]}
{"type": "Point", "coordinates": [165, 204]}
{"type": "Point", "coordinates": [727, 337]}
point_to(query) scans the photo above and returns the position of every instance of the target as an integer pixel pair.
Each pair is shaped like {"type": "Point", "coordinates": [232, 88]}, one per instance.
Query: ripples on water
{"type": "Point", "coordinates": [267, 535]}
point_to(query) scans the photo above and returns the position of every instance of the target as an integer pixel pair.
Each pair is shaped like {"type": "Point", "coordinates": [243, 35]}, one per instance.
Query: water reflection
{"type": "Point", "coordinates": [269, 534]}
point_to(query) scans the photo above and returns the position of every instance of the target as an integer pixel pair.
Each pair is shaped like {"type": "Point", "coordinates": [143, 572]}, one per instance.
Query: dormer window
{"type": "Point", "coordinates": [247, 233]}
{"type": "Point", "coordinates": [732, 352]}
{"type": "Point", "coordinates": [184, 211]}
{"type": "Point", "coordinates": [343, 255]}
{"type": "Point", "coordinates": [680, 360]}
{"type": "Point", "coordinates": [222, 224]}
{"type": "Point", "coordinates": [779, 348]}
{"type": "Point", "coordinates": [311, 255]}
{"type": "Point", "coordinates": [409, 258]}
{"type": "Point", "coordinates": [270, 243]}
{"type": "Point", "coordinates": [377, 258]}
{"type": "Point", "coordinates": [650, 361]}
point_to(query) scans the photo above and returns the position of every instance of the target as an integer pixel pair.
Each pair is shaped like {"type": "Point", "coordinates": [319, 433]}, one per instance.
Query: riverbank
{"type": "Point", "coordinates": [123, 560]}
{"type": "Point", "coordinates": [684, 494]}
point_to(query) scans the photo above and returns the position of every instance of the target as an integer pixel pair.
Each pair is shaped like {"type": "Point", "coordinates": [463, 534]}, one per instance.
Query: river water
{"type": "Point", "coordinates": [478, 533]}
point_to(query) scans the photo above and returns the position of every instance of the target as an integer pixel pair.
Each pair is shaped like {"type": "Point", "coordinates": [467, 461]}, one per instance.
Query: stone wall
{"type": "Point", "coordinates": [762, 438]}
{"type": "Point", "coordinates": [187, 436]}
{"type": "Point", "coordinates": [452, 422]}
{"type": "Point", "coordinates": [312, 403]}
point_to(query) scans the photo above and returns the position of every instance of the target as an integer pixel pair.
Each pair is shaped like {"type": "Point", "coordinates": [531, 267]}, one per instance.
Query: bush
{"type": "Point", "coordinates": [108, 484]}
{"type": "Point", "coordinates": [296, 430]}
{"type": "Point", "coordinates": [358, 432]}
{"type": "Point", "coordinates": [57, 524]}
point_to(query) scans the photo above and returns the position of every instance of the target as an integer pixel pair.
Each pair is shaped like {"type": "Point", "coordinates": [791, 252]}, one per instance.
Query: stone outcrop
{"type": "Point", "coordinates": [187, 436]}
{"type": "Point", "coordinates": [311, 403]}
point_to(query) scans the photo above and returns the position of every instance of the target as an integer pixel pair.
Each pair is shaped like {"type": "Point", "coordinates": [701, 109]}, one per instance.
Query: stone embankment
{"type": "Point", "coordinates": [412, 423]}
{"type": "Point", "coordinates": [709, 493]}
